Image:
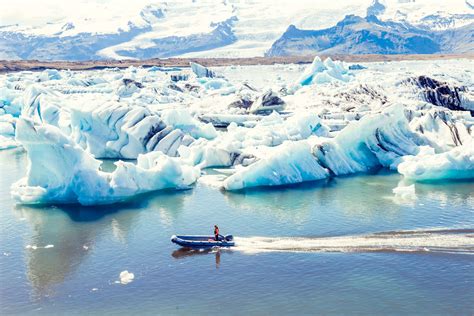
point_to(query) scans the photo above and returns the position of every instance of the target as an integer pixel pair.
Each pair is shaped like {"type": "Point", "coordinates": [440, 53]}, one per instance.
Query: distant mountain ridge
{"type": "Point", "coordinates": [122, 29]}
{"type": "Point", "coordinates": [369, 35]}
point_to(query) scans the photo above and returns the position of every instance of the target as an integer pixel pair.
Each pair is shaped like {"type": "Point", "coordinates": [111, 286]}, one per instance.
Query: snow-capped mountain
{"type": "Point", "coordinates": [369, 35]}
{"type": "Point", "coordinates": [120, 29]}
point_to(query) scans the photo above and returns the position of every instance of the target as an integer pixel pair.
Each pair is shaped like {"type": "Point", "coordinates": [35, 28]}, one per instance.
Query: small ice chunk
{"type": "Point", "coordinates": [126, 277]}
{"type": "Point", "coordinates": [48, 246]}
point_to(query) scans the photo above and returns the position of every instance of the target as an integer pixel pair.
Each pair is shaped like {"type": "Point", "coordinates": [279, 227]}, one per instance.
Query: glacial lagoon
{"type": "Point", "coordinates": [67, 259]}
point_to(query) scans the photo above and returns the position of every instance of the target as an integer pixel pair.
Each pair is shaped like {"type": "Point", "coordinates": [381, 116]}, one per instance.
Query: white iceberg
{"type": "Point", "coordinates": [7, 143]}
{"type": "Point", "coordinates": [378, 140]}
{"type": "Point", "coordinates": [49, 74]}
{"type": "Point", "coordinates": [442, 129]}
{"type": "Point", "coordinates": [201, 71]}
{"type": "Point", "coordinates": [182, 119]}
{"type": "Point", "coordinates": [457, 163]}
{"type": "Point", "coordinates": [240, 144]}
{"type": "Point", "coordinates": [320, 72]}
{"type": "Point", "coordinates": [291, 162]}
{"type": "Point", "coordinates": [10, 101]}
{"type": "Point", "coordinates": [269, 101]}
{"type": "Point", "coordinates": [60, 171]}
{"type": "Point", "coordinates": [114, 130]}
{"type": "Point", "coordinates": [7, 132]}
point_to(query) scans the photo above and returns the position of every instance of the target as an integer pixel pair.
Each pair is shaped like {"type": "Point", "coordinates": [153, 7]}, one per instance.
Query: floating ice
{"type": "Point", "coordinates": [217, 86]}
{"type": "Point", "coordinates": [10, 101]}
{"type": "Point", "coordinates": [124, 113]}
{"type": "Point", "coordinates": [60, 171]}
{"type": "Point", "coordinates": [240, 145]}
{"type": "Point", "coordinates": [127, 87]}
{"type": "Point", "coordinates": [50, 74]}
{"type": "Point", "coordinates": [7, 143]}
{"type": "Point", "coordinates": [269, 101]}
{"type": "Point", "coordinates": [357, 67]}
{"type": "Point", "coordinates": [457, 163]}
{"type": "Point", "coordinates": [126, 277]}
{"type": "Point", "coordinates": [117, 131]}
{"type": "Point", "coordinates": [443, 130]}
{"type": "Point", "coordinates": [43, 105]}
{"type": "Point", "coordinates": [378, 140]}
{"type": "Point", "coordinates": [182, 119]}
{"type": "Point", "coordinates": [34, 247]}
{"type": "Point", "coordinates": [291, 162]}
{"type": "Point", "coordinates": [7, 132]}
{"type": "Point", "coordinates": [201, 71]}
{"type": "Point", "coordinates": [323, 72]}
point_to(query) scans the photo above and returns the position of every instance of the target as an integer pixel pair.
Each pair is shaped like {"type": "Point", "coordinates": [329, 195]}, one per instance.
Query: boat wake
{"type": "Point", "coordinates": [459, 241]}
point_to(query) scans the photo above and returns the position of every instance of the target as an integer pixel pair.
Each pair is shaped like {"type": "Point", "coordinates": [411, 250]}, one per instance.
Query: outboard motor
{"type": "Point", "coordinates": [229, 238]}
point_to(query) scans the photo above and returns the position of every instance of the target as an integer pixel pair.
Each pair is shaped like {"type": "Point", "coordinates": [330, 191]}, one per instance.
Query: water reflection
{"type": "Point", "coordinates": [72, 243]}
{"type": "Point", "coordinates": [75, 230]}
{"type": "Point", "coordinates": [169, 204]}
{"type": "Point", "coordinates": [285, 204]}
{"type": "Point", "coordinates": [456, 194]}
{"type": "Point", "coordinates": [358, 196]}
{"type": "Point", "coordinates": [183, 253]}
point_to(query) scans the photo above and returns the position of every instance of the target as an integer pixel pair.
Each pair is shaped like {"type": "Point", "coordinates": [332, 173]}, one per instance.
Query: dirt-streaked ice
{"type": "Point", "coordinates": [273, 125]}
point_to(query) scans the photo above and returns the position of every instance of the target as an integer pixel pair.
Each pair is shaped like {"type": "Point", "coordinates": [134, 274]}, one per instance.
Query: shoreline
{"type": "Point", "coordinates": [7, 66]}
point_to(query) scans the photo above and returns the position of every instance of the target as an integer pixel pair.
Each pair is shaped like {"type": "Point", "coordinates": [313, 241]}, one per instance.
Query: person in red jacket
{"type": "Point", "coordinates": [216, 232]}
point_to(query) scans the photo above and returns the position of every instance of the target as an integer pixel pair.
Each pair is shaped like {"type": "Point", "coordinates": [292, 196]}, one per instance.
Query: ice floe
{"type": "Point", "coordinates": [126, 277]}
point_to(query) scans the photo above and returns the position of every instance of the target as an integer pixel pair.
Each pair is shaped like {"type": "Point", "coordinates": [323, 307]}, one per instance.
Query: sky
{"type": "Point", "coordinates": [117, 12]}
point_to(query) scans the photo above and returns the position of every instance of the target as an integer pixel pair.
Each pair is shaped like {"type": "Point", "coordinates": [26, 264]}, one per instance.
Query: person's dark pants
{"type": "Point", "coordinates": [216, 237]}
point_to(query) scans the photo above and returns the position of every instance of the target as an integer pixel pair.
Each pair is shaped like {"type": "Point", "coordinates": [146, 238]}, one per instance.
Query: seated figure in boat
{"type": "Point", "coordinates": [216, 233]}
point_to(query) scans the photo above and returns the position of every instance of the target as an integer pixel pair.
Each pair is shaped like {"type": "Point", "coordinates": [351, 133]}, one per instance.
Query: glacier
{"type": "Point", "coordinates": [254, 125]}
{"type": "Point", "coordinates": [146, 29]}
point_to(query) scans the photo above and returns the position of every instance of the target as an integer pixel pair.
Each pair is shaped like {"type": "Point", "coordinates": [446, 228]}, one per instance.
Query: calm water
{"type": "Point", "coordinates": [93, 245]}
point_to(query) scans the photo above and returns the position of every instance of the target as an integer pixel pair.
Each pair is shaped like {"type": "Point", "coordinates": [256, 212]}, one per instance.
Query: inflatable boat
{"type": "Point", "coordinates": [203, 242]}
